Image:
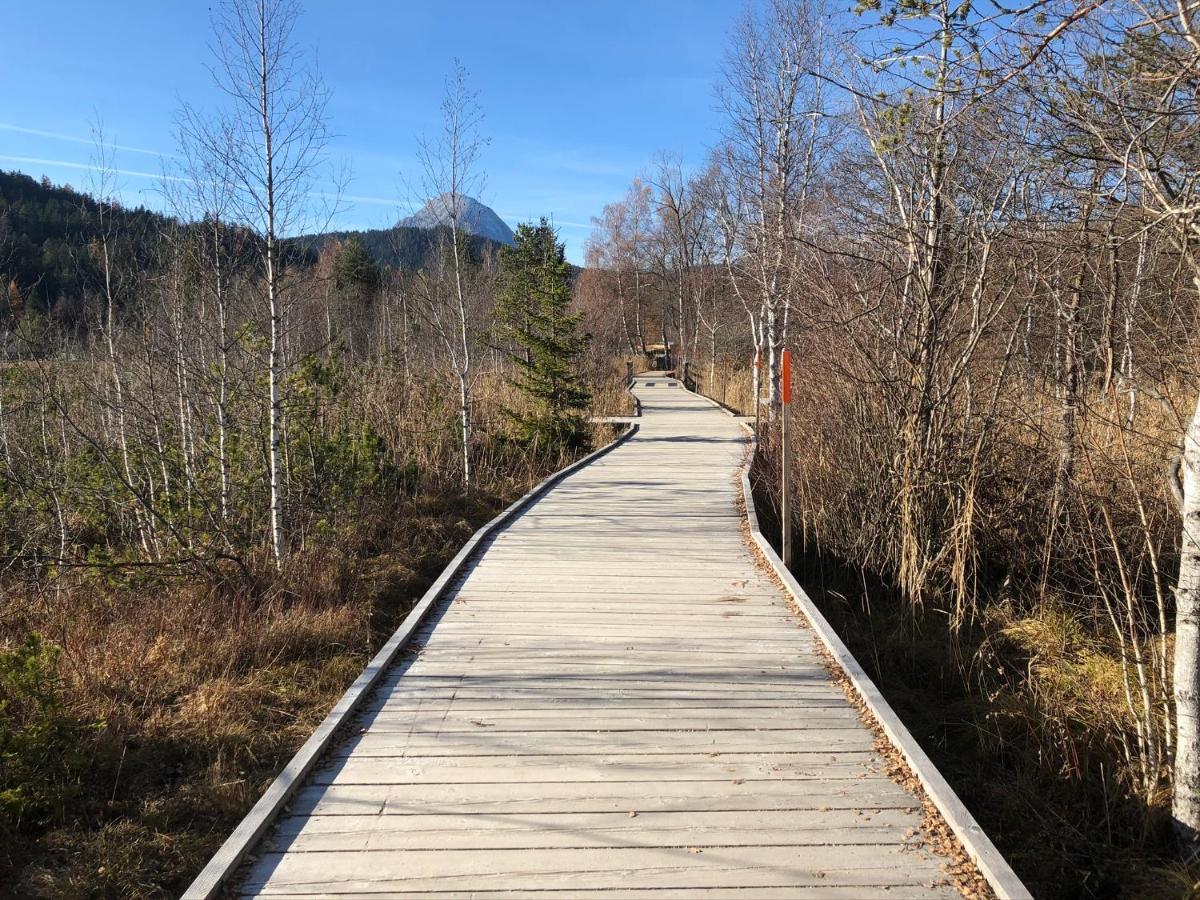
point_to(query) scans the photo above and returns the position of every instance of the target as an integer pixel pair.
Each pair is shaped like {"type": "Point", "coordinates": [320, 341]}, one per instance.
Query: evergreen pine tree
{"type": "Point", "coordinates": [535, 293]}
{"type": "Point", "coordinates": [355, 271]}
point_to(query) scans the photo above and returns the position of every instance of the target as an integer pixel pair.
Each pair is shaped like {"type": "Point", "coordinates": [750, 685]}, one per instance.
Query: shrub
{"type": "Point", "coordinates": [41, 751]}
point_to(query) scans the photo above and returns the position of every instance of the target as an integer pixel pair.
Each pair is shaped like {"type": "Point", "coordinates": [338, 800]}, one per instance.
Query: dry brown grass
{"type": "Point", "coordinates": [186, 689]}
{"type": "Point", "coordinates": [610, 396]}
{"type": "Point", "coordinates": [1007, 640]}
{"type": "Point", "coordinates": [190, 695]}
{"type": "Point", "coordinates": [731, 385]}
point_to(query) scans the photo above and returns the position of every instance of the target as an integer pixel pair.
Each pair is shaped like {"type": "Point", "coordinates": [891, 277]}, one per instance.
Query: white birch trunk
{"type": "Point", "coordinates": [1185, 806]}
{"type": "Point", "coordinates": [275, 412]}
{"type": "Point", "coordinates": [464, 368]}
{"type": "Point", "coordinates": [222, 381]}
{"type": "Point", "coordinates": [274, 367]}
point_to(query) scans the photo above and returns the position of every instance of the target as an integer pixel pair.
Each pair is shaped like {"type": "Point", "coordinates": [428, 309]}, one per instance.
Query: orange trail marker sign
{"type": "Point", "coordinates": [786, 377]}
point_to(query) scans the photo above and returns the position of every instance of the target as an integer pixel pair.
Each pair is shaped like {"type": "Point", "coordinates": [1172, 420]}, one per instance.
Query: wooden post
{"type": "Point", "coordinates": [785, 456]}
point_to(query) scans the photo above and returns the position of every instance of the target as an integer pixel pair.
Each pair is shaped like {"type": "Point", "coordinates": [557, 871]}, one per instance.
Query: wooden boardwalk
{"type": "Point", "coordinates": [614, 701]}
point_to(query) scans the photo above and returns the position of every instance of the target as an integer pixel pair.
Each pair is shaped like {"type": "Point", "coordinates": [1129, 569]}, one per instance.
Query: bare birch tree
{"type": "Point", "coordinates": [618, 243]}
{"type": "Point", "coordinates": [204, 193]}
{"type": "Point", "coordinates": [451, 176]}
{"type": "Point", "coordinates": [1127, 91]}
{"type": "Point", "coordinates": [772, 95]}
{"type": "Point", "coordinates": [272, 147]}
{"type": "Point", "coordinates": [113, 291]}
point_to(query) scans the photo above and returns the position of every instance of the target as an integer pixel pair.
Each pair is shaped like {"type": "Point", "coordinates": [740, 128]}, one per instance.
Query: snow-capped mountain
{"type": "Point", "coordinates": [473, 218]}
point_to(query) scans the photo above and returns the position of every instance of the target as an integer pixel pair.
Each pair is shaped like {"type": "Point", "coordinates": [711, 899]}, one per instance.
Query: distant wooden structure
{"type": "Point", "coordinates": [660, 357]}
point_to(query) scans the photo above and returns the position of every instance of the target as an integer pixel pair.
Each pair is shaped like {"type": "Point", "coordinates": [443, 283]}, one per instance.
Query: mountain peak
{"type": "Point", "coordinates": [473, 217]}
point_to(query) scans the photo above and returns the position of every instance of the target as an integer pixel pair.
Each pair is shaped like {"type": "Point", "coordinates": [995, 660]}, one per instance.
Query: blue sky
{"type": "Point", "coordinates": [578, 96]}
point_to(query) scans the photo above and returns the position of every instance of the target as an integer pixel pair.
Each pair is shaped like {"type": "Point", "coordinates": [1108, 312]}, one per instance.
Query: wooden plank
{"type": "Point", "coordinates": [611, 670]}
{"type": "Point", "coordinates": [646, 610]}
{"type": "Point", "coordinates": [806, 766]}
{"type": "Point", "coordinates": [582, 705]}
{"type": "Point", "coordinates": [377, 741]}
{"type": "Point", "coordinates": [722, 618]}
{"type": "Point", "coordinates": [524, 690]}
{"type": "Point", "coordinates": [665, 868]}
{"type": "Point", "coordinates": [502, 649]}
{"type": "Point", "coordinates": [713, 682]}
{"type": "Point", "coordinates": [601, 583]}
{"type": "Point", "coordinates": [568, 660]}
{"type": "Point", "coordinates": [520, 797]}
{"type": "Point", "coordinates": [477, 723]}
{"type": "Point", "coordinates": [704, 626]}
{"type": "Point", "coordinates": [323, 834]}
{"type": "Point", "coordinates": [445, 719]}
{"type": "Point", "coordinates": [728, 630]}
{"type": "Point", "coordinates": [791, 892]}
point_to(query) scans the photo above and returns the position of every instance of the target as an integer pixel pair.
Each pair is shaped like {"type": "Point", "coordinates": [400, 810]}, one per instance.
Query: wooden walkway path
{"type": "Point", "coordinates": [615, 702]}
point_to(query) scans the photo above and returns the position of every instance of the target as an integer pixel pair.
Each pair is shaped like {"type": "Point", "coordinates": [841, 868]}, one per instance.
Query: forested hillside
{"type": "Point", "coordinates": [49, 241]}
{"type": "Point", "coordinates": [47, 235]}
{"type": "Point", "coordinates": [401, 247]}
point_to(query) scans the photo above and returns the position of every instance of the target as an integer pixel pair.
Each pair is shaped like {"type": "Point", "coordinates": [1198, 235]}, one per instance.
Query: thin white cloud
{"type": "Point", "coordinates": [88, 167]}
{"type": "Point", "coordinates": [134, 173]}
{"type": "Point", "coordinates": [362, 198]}
{"type": "Point", "coordinates": [57, 136]}
{"type": "Point", "coordinates": [321, 195]}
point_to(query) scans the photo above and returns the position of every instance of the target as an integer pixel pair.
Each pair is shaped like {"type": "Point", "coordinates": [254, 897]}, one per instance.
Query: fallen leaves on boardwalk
{"type": "Point", "coordinates": [935, 834]}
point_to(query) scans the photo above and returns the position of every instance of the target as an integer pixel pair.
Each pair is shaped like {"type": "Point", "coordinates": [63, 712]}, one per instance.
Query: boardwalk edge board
{"type": "Point", "coordinates": [979, 847]}
{"type": "Point", "coordinates": [250, 830]}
